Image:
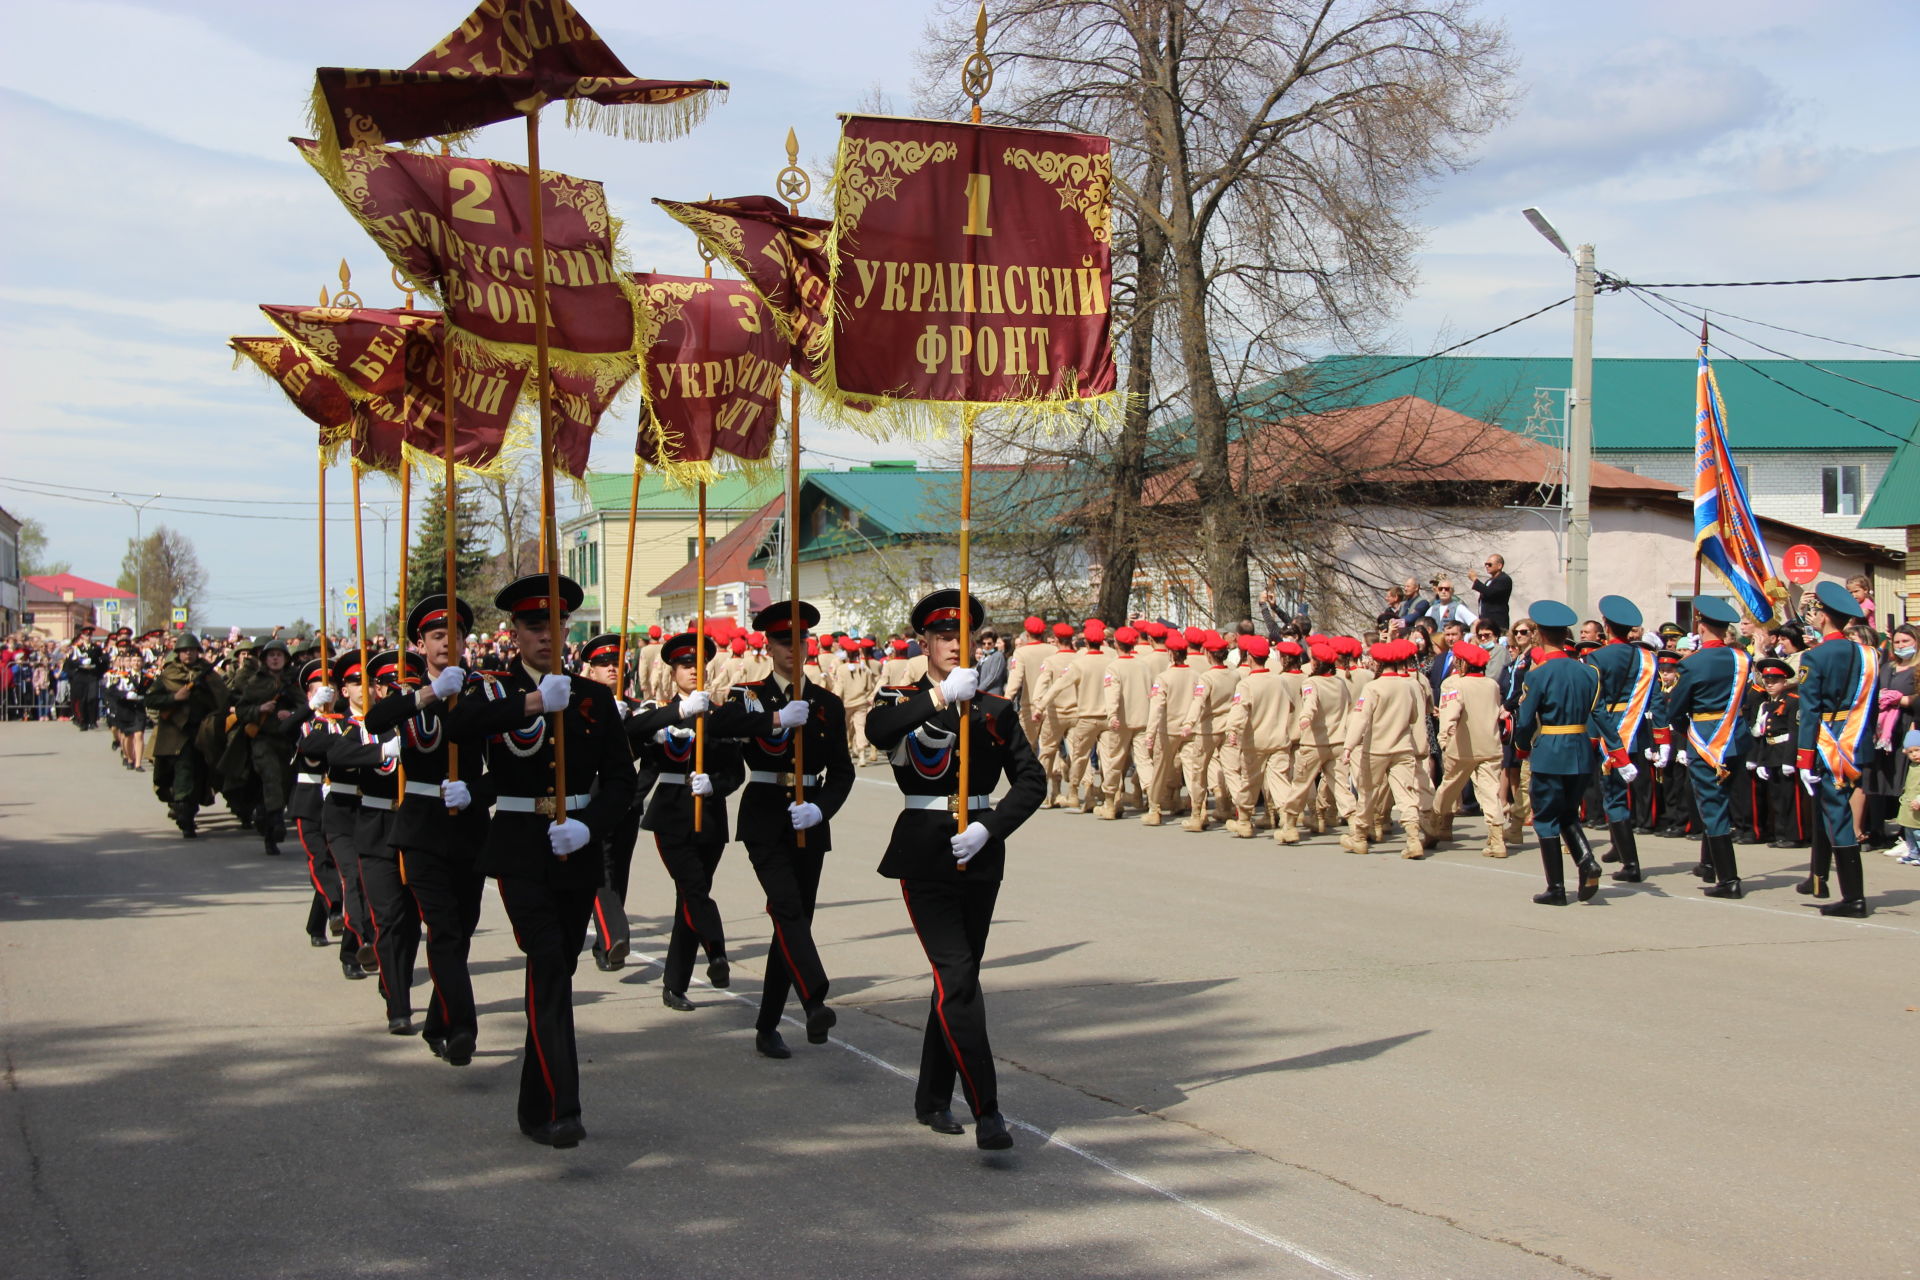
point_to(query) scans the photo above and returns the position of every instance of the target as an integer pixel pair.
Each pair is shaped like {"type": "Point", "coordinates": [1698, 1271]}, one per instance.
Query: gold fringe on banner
{"type": "Point", "coordinates": [643, 121]}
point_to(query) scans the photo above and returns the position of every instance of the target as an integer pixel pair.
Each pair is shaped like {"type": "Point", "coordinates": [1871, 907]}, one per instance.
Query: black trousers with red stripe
{"type": "Point", "coordinates": [449, 891]}
{"type": "Point", "coordinates": [1791, 809]}
{"type": "Point", "coordinates": [791, 878]}
{"type": "Point", "coordinates": [395, 917]}
{"type": "Point", "coordinates": [338, 820]}
{"type": "Point", "coordinates": [324, 875]}
{"type": "Point", "coordinates": [952, 918]}
{"type": "Point", "coordinates": [696, 917]}
{"type": "Point", "coordinates": [610, 904]}
{"type": "Point", "coordinates": [550, 926]}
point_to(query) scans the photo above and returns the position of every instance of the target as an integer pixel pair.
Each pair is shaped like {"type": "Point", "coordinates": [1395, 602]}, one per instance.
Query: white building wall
{"type": "Point", "coordinates": [1784, 484]}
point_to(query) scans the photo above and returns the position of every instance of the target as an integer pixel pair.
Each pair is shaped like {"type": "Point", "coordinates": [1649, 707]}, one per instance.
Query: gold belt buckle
{"type": "Point", "coordinates": [954, 807]}
{"type": "Point", "coordinates": [547, 806]}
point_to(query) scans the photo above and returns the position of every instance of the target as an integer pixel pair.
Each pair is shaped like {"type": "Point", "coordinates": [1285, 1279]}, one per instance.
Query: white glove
{"type": "Point", "coordinates": [1680, 757]}
{"type": "Point", "coordinates": [960, 685]}
{"type": "Point", "coordinates": [1666, 754]}
{"type": "Point", "coordinates": [1787, 770]}
{"type": "Point", "coordinates": [804, 815]}
{"type": "Point", "coordinates": [1627, 772]}
{"type": "Point", "coordinates": [1760, 725]}
{"type": "Point", "coordinates": [448, 682]}
{"type": "Point", "coordinates": [321, 698]}
{"type": "Point", "coordinates": [1651, 754]}
{"type": "Point", "coordinates": [790, 716]}
{"type": "Point", "coordinates": [455, 795]}
{"type": "Point", "coordinates": [1811, 783]}
{"type": "Point", "coordinates": [1766, 774]}
{"type": "Point", "coordinates": [568, 837]}
{"type": "Point", "coordinates": [969, 842]}
{"type": "Point", "coordinates": [1751, 766]}
{"type": "Point", "coordinates": [555, 692]}
{"type": "Point", "coordinates": [700, 784]}
{"type": "Point", "coordinates": [390, 748]}
{"type": "Point", "coordinates": [694, 704]}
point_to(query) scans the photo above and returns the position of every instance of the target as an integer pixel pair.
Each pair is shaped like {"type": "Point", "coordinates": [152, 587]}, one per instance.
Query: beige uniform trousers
{"type": "Point", "coordinates": [1315, 771]}
{"type": "Point", "coordinates": [1485, 777]}
{"type": "Point", "coordinates": [1120, 748]}
{"type": "Point", "coordinates": [1053, 735]}
{"type": "Point", "coordinates": [1263, 773]}
{"type": "Point", "coordinates": [1398, 776]}
{"type": "Point", "coordinates": [857, 745]}
{"type": "Point", "coordinates": [1199, 768]}
{"type": "Point", "coordinates": [1083, 734]}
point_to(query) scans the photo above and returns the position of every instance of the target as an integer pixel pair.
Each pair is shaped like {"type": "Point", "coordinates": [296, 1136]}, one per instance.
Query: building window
{"type": "Point", "coordinates": [593, 562]}
{"type": "Point", "coordinates": [693, 547]}
{"type": "Point", "coordinates": [1840, 491]}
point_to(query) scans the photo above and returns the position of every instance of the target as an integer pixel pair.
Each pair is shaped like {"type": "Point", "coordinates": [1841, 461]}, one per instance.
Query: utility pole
{"type": "Point", "coordinates": [1580, 433]}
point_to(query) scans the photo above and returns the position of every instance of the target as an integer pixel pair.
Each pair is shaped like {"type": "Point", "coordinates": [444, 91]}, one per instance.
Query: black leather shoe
{"type": "Point", "coordinates": [719, 972]}
{"type": "Point", "coordinates": [1551, 898]}
{"type": "Point", "coordinates": [820, 1020]}
{"type": "Point", "coordinates": [1628, 876]}
{"type": "Point", "coordinates": [601, 962]}
{"type": "Point", "coordinates": [317, 942]}
{"type": "Point", "coordinates": [676, 1001]}
{"type": "Point", "coordinates": [351, 969]}
{"type": "Point", "coordinates": [1855, 908]}
{"type": "Point", "coordinates": [1704, 871]}
{"type": "Point", "coordinates": [1785, 844]}
{"type": "Point", "coordinates": [437, 1044]}
{"type": "Point", "coordinates": [336, 925]}
{"type": "Point", "coordinates": [367, 956]}
{"type": "Point", "coordinates": [617, 955]}
{"type": "Point", "coordinates": [940, 1121]}
{"type": "Point", "coordinates": [459, 1048]}
{"type": "Point", "coordinates": [1813, 887]}
{"type": "Point", "coordinates": [401, 1026]}
{"type": "Point", "coordinates": [1725, 889]}
{"type": "Point", "coordinates": [272, 849]}
{"type": "Point", "coordinates": [559, 1134]}
{"type": "Point", "coordinates": [990, 1132]}
{"type": "Point", "coordinates": [770, 1045]}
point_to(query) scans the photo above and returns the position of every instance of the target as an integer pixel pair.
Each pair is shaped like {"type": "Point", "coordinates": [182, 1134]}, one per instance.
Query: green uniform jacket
{"type": "Point", "coordinates": [179, 721]}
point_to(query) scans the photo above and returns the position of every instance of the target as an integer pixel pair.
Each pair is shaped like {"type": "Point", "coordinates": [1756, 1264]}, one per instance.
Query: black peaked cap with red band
{"type": "Point", "coordinates": [388, 670]}
{"type": "Point", "coordinates": [776, 619]}
{"type": "Point", "coordinates": [601, 646]}
{"type": "Point", "coordinates": [676, 647]}
{"type": "Point", "coordinates": [431, 615]}
{"type": "Point", "coordinates": [940, 611]}
{"type": "Point", "coordinates": [346, 666]}
{"type": "Point", "coordinates": [527, 597]}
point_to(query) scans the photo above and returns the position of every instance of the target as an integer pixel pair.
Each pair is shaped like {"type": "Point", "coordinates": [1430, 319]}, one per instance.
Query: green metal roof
{"type": "Point", "coordinates": [1645, 403]}
{"type": "Point", "coordinates": [1896, 503]}
{"type": "Point", "coordinates": [609, 491]}
{"type": "Point", "coordinates": [894, 503]}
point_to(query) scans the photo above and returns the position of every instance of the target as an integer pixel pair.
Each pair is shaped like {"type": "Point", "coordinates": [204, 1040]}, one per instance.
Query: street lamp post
{"type": "Point", "coordinates": [139, 557]}
{"type": "Point", "coordinates": [1579, 478]}
{"type": "Point", "coordinates": [386, 568]}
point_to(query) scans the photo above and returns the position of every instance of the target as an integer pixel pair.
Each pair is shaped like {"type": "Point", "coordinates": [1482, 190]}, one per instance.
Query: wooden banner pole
{"type": "Point", "coordinates": [794, 183]}
{"type": "Point", "coordinates": [549, 516]}
{"type": "Point", "coordinates": [360, 587]}
{"type": "Point", "coordinates": [326, 666]}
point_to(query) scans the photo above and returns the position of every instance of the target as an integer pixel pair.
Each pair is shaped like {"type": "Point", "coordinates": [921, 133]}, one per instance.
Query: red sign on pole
{"type": "Point", "coordinates": [1800, 564]}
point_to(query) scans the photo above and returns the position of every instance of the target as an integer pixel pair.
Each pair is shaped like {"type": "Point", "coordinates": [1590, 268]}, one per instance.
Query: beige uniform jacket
{"type": "Point", "coordinates": [1088, 671]}
{"type": "Point", "coordinates": [1390, 719]}
{"type": "Point", "coordinates": [1126, 691]}
{"type": "Point", "coordinates": [1470, 716]}
{"type": "Point", "coordinates": [1324, 701]}
{"type": "Point", "coordinates": [1263, 711]}
{"type": "Point", "coordinates": [1208, 700]}
{"type": "Point", "coordinates": [1057, 693]}
{"type": "Point", "coordinates": [1023, 669]}
{"type": "Point", "coordinates": [857, 682]}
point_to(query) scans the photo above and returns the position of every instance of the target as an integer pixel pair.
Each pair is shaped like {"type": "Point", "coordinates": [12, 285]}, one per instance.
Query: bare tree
{"type": "Point", "coordinates": [32, 543]}
{"type": "Point", "coordinates": [166, 572]}
{"type": "Point", "coordinates": [511, 510]}
{"type": "Point", "coordinates": [1280, 148]}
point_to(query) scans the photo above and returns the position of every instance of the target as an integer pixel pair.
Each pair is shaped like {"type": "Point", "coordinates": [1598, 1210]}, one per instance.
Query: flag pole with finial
{"type": "Point", "coordinates": [976, 78]}
{"type": "Point", "coordinates": [346, 297]}
{"type": "Point", "coordinates": [700, 606]}
{"type": "Point", "coordinates": [794, 185]}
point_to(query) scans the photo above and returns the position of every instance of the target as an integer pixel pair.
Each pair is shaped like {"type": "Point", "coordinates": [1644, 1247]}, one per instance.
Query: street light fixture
{"type": "Point", "coordinates": [139, 557]}
{"type": "Point", "coordinates": [1579, 478]}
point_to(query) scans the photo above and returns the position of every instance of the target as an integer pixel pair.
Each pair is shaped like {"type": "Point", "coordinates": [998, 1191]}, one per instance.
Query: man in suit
{"type": "Point", "coordinates": [949, 866]}
{"type": "Point", "coordinates": [540, 846]}
{"type": "Point", "coordinates": [1555, 728]}
{"type": "Point", "coordinates": [1704, 709]}
{"type": "Point", "coordinates": [1834, 742]}
{"type": "Point", "coordinates": [795, 740]}
{"type": "Point", "coordinates": [1496, 592]}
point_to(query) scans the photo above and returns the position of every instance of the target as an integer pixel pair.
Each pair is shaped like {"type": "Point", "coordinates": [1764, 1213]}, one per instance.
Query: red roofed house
{"type": "Point", "coordinates": [59, 604]}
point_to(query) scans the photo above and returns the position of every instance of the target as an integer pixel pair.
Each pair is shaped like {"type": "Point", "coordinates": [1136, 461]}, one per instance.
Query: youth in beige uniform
{"type": "Point", "coordinates": [1023, 675]}
{"type": "Point", "coordinates": [1126, 695]}
{"type": "Point", "coordinates": [1201, 725]}
{"type": "Point", "coordinates": [858, 682]}
{"type": "Point", "coordinates": [1470, 737]}
{"type": "Point", "coordinates": [1259, 738]}
{"type": "Point", "coordinates": [893, 671]}
{"type": "Point", "coordinates": [1163, 770]}
{"type": "Point", "coordinates": [1058, 705]}
{"type": "Point", "coordinates": [1322, 727]}
{"type": "Point", "coordinates": [1088, 672]}
{"type": "Point", "coordinates": [1387, 740]}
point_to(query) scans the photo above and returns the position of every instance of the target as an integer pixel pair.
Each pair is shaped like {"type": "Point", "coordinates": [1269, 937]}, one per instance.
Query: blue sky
{"type": "Point", "coordinates": [152, 201]}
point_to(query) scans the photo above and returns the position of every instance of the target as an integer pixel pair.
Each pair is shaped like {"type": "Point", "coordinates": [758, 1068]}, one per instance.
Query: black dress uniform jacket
{"type": "Point", "coordinates": [421, 821]}
{"type": "Point", "coordinates": [670, 804]}
{"type": "Point", "coordinates": [748, 716]}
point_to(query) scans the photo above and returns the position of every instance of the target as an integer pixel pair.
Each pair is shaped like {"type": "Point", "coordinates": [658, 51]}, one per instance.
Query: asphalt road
{"type": "Point", "coordinates": [1223, 1058]}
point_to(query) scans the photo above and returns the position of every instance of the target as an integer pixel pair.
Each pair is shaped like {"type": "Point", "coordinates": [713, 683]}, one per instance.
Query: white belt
{"type": "Point", "coordinates": [343, 788]}
{"type": "Point", "coordinates": [784, 779]}
{"type": "Point", "coordinates": [375, 802]}
{"type": "Point", "coordinates": [672, 779]}
{"type": "Point", "coordinates": [943, 802]}
{"type": "Point", "coordinates": [423, 789]}
{"type": "Point", "coordinates": [538, 804]}
{"type": "Point", "coordinates": [311, 779]}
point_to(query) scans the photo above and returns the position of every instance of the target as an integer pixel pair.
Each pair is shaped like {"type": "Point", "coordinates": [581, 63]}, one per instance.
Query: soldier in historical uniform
{"type": "Point", "coordinates": [182, 697]}
{"type": "Point", "coordinates": [267, 706]}
{"type": "Point", "coordinates": [540, 843]}
{"type": "Point", "coordinates": [1555, 728]}
{"type": "Point", "coordinates": [437, 829]}
{"type": "Point", "coordinates": [663, 737]}
{"type": "Point", "coordinates": [1834, 742]}
{"type": "Point", "coordinates": [1704, 710]}
{"type": "Point", "coordinates": [1627, 683]}
{"type": "Point", "coordinates": [949, 865]}
{"type": "Point", "coordinates": [788, 841]}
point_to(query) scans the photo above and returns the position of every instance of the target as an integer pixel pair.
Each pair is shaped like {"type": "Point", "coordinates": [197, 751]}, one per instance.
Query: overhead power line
{"type": "Point", "coordinates": [1616, 282]}
{"type": "Point", "coordinates": [1707, 317]}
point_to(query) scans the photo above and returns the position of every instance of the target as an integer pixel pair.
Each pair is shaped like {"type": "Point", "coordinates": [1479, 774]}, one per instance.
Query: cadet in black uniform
{"type": "Point", "coordinates": [546, 866]}
{"type": "Point", "coordinates": [304, 807]}
{"type": "Point", "coordinates": [1777, 721]}
{"type": "Point", "coordinates": [344, 750]}
{"type": "Point", "coordinates": [437, 829]}
{"type": "Point", "coordinates": [950, 876]}
{"type": "Point", "coordinates": [612, 938]}
{"type": "Point", "coordinates": [663, 737]}
{"type": "Point", "coordinates": [391, 908]}
{"type": "Point", "coordinates": [771, 824]}
{"type": "Point", "coordinates": [86, 662]}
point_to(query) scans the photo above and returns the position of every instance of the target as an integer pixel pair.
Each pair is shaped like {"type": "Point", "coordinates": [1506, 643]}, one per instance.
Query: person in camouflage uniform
{"type": "Point", "coordinates": [184, 698]}
{"type": "Point", "coordinates": [266, 707]}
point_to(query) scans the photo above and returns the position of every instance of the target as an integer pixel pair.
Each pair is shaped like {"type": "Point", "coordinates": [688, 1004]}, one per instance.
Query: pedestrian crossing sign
{"type": "Point", "coordinates": [179, 616]}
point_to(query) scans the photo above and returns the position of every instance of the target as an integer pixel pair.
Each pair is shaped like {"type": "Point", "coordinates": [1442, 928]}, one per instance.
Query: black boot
{"type": "Point", "coordinates": [1556, 894]}
{"type": "Point", "coordinates": [1726, 870]}
{"type": "Point", "coordinates": [1704, 868]}
{"type": "Point", "coordinates": [1584, 862]}
{"type": "Point", "coordinates": [1853, 884]}
{"type": "Point", "coordinates": [1626, 851]}
{"type": "Point", "coordinates": [1819, 865]}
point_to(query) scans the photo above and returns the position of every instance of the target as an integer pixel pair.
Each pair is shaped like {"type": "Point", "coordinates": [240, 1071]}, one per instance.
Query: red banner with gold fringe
{"type": "Point", "coordinates": [712, 376]}
{"type": "Point", "coordinates": [314, 391]}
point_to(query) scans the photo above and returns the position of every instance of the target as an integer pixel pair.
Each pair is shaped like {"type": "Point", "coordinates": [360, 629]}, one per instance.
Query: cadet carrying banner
{"type": "Point", "coordinates": [971, 264]}
{"type": "Point", "coordinates": [458, 228]}
{"type": "Point", "coordinates": [509, 57]}
{"type": "Point", "coordinates": [712, 377]}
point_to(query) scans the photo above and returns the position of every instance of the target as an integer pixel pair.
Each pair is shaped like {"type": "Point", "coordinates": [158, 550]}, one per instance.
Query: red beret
{"type": "Point", "coordinates": [1316, 638]}
{"type": "Point", "coordinates": [1127, 635]}
{"type": "Point", "coordinates": [1176, 642]}
{"type": "Point", "coordinates": [737, 647]}
{"type": "Point", "coordinates": [653, 632]}
{"type": "Point", "coordinates": [1254, 646]}
{"type": "Point", "coordinates": [1348, 645]}
{"type": "Point", "coordinates": [866, 642]}
{"type": "Point", "coordinates": [1063, 631]}
{"type": "Point", "coordinates": [1471, 654]}
{"type": "Point", "coordinates": [1386, 651]}
{"type": "Point", "coordinates": [1155, 630]}
{"type": "Point", "coordinates": [1195, 637]}
{"type": "Point", "coordinates": [900, 646]}
{"type": "Point", "coordinates": [1036, 626]}
{"type": "Point", "coordinates": [813, 646]}
{"type": "Point", "coordinates": [1323, 652]}
{"type": "Point", "coordinates": [849, 644]}
{"type": "Point", "coordinates": [1289, 648]}
{"type": "Point", "coordinates": [758, 639]}
{"type": "Point", "coordinates": [1094, 630]}
{"type": "Point", "coordinates": [1213, 640]}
